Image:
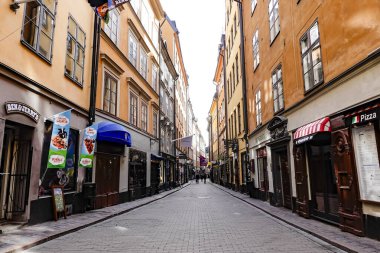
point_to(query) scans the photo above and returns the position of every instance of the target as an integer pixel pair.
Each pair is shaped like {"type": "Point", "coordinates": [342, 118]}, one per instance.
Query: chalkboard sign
{"type": "Point", "coordinates": [58, 202]}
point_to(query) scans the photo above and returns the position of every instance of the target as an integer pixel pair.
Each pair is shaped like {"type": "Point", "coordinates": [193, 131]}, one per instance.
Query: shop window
{"type": "Point", "coordinates": [112, 27]}
{"type": "Point", "coordinates": [278, 92]}
{"type": "Point", "coordinates": [38, 27]}
{"type": "Point", "coordinates": [311, 58]}
{"type": "Point", "coordinates": [110, 94]}
{"type": "Point", "coordinates": [274, 19]}
{"type": "Point", "coordinates": [76, 38]}
{"type": "Point", "coordinates": [256, 54]}
{"type": "Point", "coordinates": [66, 177]}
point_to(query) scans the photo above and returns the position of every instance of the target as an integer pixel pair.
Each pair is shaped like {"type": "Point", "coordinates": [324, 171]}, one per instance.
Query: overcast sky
{"type": "Point", "coordinates": [201, 24]}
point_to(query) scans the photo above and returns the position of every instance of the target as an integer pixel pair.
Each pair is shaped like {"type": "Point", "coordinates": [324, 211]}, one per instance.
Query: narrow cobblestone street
{"type": "Point", "coordinates": [199, 218]}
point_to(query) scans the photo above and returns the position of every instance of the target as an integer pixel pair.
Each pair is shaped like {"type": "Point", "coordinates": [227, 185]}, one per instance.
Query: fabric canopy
{"type": "Point", "coordinates": [112, 132]}
{"type": "Point", "coordinates": [156, 157]}
{"type": "Point", "coordinates": [322, 125]}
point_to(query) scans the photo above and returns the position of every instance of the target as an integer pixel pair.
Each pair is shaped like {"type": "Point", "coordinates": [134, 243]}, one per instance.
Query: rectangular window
{"type": "Point", "coordinates": [278, 92]}
{"type": "Point", "coordinates": [133, 109]}
{"type": "Point", "coordinates": [144, 116]}
{"type": "Point", "coordinates": [155, 77]}
{"type": "Point", "coordinates": [235, 27]}
{"type": "Point", "coordinates": [112, 27]}
{"type": "Point", "coordinates": [256, 54]}
{"type": "Point", "coordinates": [235, 126]}
{"type": "Point", "coordinates": [233, 76]}
{"type": "Point", "coordinates": [274, 19]}
{"type": "Point", "coordinates": [76, 39]}
{"type": "Point", "coordinates": [38, 27]}
{"type": "Point", "coordinates": [311, 58]}
{"type": "Point", "coordinates": [253, 5]}
{"type": "Point", "coordinates": [132, 49]}
{"type": "Point", "coordinates": [145, 19]}
{"type": "Point", "coordinates": [155, 124]}
{"type": "Point", "coordinates": [143, 63]}
{"type": "Point", "coordinates": [110, 94]}
{"type": "Point", "coordinates": [239, 118]}
{"type": "Point", "coordinates": [258, 108]}
{"type": "Point", "coordinates": [237, 68]}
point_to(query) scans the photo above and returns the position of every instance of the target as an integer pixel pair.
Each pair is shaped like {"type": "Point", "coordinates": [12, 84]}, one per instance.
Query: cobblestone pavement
{"type": "Point", "coordinates": [199, 218]}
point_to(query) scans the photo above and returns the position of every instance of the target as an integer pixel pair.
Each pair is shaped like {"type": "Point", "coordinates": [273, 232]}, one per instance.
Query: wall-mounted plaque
{"type": "Point", "coordinates": [21, 108]}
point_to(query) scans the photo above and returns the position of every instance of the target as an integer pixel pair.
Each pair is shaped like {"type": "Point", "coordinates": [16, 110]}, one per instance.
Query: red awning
{"type": "Point", "coordinates": [369, 108]}
{"type": "Point", "coordinates": [322, 125]}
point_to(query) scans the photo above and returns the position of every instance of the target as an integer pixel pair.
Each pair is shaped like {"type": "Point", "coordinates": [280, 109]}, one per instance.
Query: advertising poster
{"type": "Point", "coordinates": [88, 147]}
{"type": "Point", "coordinates": [59, 140]}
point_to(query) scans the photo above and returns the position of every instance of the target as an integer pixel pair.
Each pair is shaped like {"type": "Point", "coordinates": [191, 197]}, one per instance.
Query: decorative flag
{"type": "Point", "coordinates": [88, 146]}
{"type": "Point", "coordinates": [202, 160]}
{"type": "Point", "coordinates": [106, 6]}
{"type": "Point", "coordinates": [355, 120]}
{"type": "Point", "coordinates": [59, 140]}
{"type": "Point", "coordinates": [186, 142]}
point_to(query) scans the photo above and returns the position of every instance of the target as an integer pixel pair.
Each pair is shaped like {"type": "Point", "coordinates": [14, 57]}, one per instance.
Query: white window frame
{"type": "Point", "coordinates": [144, 117]}
{"type": "Point", "coordinates": [274, 23]}
{"type": "Point", "coordinates": [133, 120]}
{"type": "Point", "coordinates": [256, 49]}
{"type": "Point", "coordinates": [132, 57]}
{"type": "Point", "coordinates": [253, 5]}
{"type": "Point", "coordinates": [109, 28]}
{"type": "Point", "coordinates": [111, 75]}
{"type": "Point", "coordinates": [278, 90]}
{"type": "Point", "coordinates": [155, 77]}
{"type": "Point", "coordinates": [143, 63]}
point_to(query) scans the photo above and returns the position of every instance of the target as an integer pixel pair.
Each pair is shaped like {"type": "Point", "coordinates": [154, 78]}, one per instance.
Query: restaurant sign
{"type": "Point", "coordinates": [365, 117]}
{"type": "Point", "coordinates": [21, 108]}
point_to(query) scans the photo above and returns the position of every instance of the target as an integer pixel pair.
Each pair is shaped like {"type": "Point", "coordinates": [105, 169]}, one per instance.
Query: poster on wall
{"type": "Point", "coordinates": [59, 140]}
{"type": "Point", "coordinates": [88, 146]}
{"type": "Point", "coordinates": [367, 161]}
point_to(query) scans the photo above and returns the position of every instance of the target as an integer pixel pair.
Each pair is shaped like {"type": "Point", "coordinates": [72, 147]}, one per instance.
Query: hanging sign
{"type": "Point", "coordinates": [366, 117]}
{"type": "Point", "coordinates": [17, 107]}
{"type": "Point", "coordinates": [88, 146]}
{"type": "Point", "coordinates": [59, 140]}
{"type": "Point", "coordinates": [106, 6]}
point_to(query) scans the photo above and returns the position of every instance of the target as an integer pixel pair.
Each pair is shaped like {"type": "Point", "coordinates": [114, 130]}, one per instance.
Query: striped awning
{"type": "Point", "coordinates": [322, 125]}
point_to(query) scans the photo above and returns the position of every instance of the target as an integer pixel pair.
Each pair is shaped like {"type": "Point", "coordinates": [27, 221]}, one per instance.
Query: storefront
{"type": "Point", "coordinates": [137, 176]}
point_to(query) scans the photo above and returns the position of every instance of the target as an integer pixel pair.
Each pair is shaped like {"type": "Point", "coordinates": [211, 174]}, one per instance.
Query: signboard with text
{"type": "Point", "coordinates": [88, 146]}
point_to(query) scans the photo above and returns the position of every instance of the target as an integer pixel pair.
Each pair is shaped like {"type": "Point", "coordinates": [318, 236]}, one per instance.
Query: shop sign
{"type": "Point", "coordinates": [365, 117]}
{"type": "Point", "coordinates": [59, 140]}
{"type": "Point", "coordinates": [21, 108]}
{"type": "Point", "coordinates": [88, 146]}
{"type": "Point", "coordinates": [304, 139]}
{"type": "Point", "coordinates": [262, 138]}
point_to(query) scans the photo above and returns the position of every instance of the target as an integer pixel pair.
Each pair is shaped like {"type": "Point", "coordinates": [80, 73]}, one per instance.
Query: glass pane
{"type": "Point", "coordinates": [113, 97]}
{"type": "Point", "coordinates": [306, 64]}
{"type": "Point", "coordinates": [318, 73]}
{"type": "Point", "coordinates": [307, 81]}
{"type": "Point", "coordinates": [271, 19]}
{"type": "Point", "coordinates": [32, 12]}
{"type": "Point", "coordinates": [281, 101]}
{"type": "Point", "coordinates": [113, 85]}
{"type": "Point", "coordinates": [113, 109]}
{"type": "Point", "coordinates": [45, 45]}
{"type": "Point", "coordinates": [279, 74]}
{"type": "Point", "coordinates": [106, 106]}
{"type": "Point", "coordinates": [69, 65]}
{"type": "Point", "coordinates": [316, 55]}
{"type": "Point", "coordinates": [275, 92]}
{"type": "Point", "coordinates": [70, 47]}
{"type": "Point", "coordinates": [30, 34]}
{"type": "Point", "coordinates": [78, 73]}
{"type": "Point", "coordinates": [80, 56]}
{"type": "Point", "coordinates": [274, 78]}
{"type": "Point", "coordinates": [304, 44]}
{"type": "Point", "coordinates": [275, 103]}
{"type": "Point", "coordinates": [114, 38]}
{"type": "Point", "coordinates": [81, 37]}
{"type": "Point", "coordinates": [314, 34]}
{"type": "Point", "coordinates": [50, 4]}
{"type": "Point", "coordinates": [277, 26]}
{"type": "Point", "coordinates": [47, 24]}
{"type": "Point", "coordinates": [72, 28]}
{"type": "Point", "coordinates": [279, 87]}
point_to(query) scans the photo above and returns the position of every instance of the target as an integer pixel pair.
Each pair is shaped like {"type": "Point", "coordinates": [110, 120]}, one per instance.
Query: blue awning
{"type": "Point", "coordinates": [112, 132]}
{"type": "Point", "coordinates": [156, 157]}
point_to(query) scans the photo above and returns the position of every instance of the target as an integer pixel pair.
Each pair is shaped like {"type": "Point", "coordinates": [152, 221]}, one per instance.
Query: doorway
{"type": "Point", "coordinates": [323, 184]}
{"type": "Point", "coordinates": [15, 169]}
{"type": "Point", "coordinates": [137, 174]}
{"type": "Point", "coordinates": [281, 180]}
{"type": "Point", "coordinates": [107, 177]}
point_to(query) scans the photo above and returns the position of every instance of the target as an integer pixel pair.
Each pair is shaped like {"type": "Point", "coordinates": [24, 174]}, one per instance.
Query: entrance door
{"type": "Point", "coordinates": [323, 184]}
{"type": "Point", "coordinates": [350, 211]}
{"type": "Point", "coordinates": [301, 181]}
{"type": "Point", "coordinates": [15, 171]}
{"type": "Point", "coordinates": [285, 177]}
{"type": "Point", "coordinates": [107, 180]}
{"type": "Point", "coordinates": [263, 177]}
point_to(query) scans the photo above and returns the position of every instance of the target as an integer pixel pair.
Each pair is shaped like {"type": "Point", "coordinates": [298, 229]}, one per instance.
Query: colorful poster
{"type": "Point", "coordinates": [59, 140]}
{"type": "Point", "coordinates": [88, 146]}
{"type": "Point", "coordinates": [104, 8]}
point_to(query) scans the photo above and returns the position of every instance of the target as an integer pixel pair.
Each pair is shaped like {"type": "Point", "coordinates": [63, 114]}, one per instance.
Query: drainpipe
{"type": "Point", "coordinates": [94, 68]}
{"type": "Point", "coordinates": [244, 87]}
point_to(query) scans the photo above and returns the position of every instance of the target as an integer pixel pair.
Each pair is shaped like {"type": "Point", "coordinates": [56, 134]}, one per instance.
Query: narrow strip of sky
{"type": "Point", "coordinates": [201, 24]}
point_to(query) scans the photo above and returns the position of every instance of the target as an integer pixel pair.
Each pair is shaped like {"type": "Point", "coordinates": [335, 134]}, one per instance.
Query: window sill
{"type": "Point", "coordinates": [279, 112]}
{"type": "Point", "coordinates": [274, 39]}
{"type": "Point", "coordinates": [73, 80]}
{"type": "Point", "coordinates": [311, 90]}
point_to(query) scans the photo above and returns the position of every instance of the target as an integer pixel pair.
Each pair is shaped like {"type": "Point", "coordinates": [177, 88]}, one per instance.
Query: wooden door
{"type": "Point", "coordinates": [302, 205]}
{"type": "Point", "coordinates": [350, 210]}
{"type": "Point", "coordinates": [107, 180]}
{"type": "Point", "coordinates": [285, 177]}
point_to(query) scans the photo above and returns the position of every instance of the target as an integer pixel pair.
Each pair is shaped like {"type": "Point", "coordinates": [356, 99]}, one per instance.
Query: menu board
{"type": "Point", "coordinates": [58, 201]}
{"type": "Point", "coordinates": [367, 161]}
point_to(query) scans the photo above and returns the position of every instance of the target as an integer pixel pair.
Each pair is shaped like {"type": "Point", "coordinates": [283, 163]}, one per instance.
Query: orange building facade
{"type": "Point", "coordinates": [313, 95]}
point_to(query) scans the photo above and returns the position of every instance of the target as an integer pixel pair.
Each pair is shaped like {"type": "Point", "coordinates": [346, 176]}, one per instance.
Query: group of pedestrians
{"type": "Point", "coordinates": [200, 175]}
